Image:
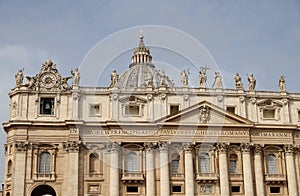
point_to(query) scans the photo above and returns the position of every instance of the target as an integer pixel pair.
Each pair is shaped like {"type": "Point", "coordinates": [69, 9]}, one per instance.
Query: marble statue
{"type": "Point", "coordinates": [282, 85]}
{"type": "Point", "coordinates": [218, 80]}
{"type": "Point", "coordinates": [202, 77]}
{"type": "Point", "coordinates": [19, 78]}
{"type": "Point", "coordinates": [76, 77]}
{"type": "Point", "coordinates": [238, 81]}
{"type": "Point", "coordinates": [252, 82]}
{"type": "Point", "coordinates": [149, 79]}
{"type": "Point", "coordinates": [184, 78]}
{"type": "Point", "coordinates": [113, 78]}
{"type": "Point", "coordinates": [163, 78]}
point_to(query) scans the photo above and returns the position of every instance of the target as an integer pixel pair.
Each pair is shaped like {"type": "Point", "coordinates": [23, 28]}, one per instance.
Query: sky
{"type": "Point", "coordinates": [259, 37]}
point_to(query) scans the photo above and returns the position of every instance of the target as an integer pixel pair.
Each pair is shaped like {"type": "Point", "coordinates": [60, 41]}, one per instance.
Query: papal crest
{"type": "Point", "coordinates": [204, 114]}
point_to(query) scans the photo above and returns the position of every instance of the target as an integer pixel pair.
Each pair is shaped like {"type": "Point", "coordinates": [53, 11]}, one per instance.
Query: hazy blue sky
{"type": "Point", "coordinates": [260, 37]}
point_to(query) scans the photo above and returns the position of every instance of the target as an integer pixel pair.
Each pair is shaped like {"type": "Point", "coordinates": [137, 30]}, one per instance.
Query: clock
{"type": "Point", "coordinates": [48, 80]}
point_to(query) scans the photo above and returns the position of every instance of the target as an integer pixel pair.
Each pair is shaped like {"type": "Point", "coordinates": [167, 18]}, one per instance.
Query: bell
{"type": "Point", "coordinates": [47, 106]}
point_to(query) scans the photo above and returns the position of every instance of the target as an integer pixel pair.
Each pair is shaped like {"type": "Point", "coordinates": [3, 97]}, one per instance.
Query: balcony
{"type": "Point", "coordinates": [234, 176]}
{"type": "Point", "coordinates": [44, 177]}
{"type": "Point", "coordinates": [275, 178]}
{"type": "Point", "coordinates": [94, 176]}
{"type": "Point", "coordinates": [177, 176]}
{"type": "Point", "coordinates": [133, 177]}
{"type": "Point", "coordinates": [206, 177]}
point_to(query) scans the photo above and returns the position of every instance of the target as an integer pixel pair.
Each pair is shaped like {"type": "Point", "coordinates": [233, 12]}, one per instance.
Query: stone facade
{"type": "Point", "coordinates": [143, 135]}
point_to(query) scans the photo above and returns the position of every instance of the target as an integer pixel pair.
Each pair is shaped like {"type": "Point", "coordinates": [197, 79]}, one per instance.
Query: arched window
{"type": "Point", "coordinates": [204, 161]}
{"type": "Point", "coordinates": [93, 160]}
{"type": "Point", "coordinates": [175, 163]}
{"type": "Point", "coordinates": [132, 164]}
{"type": "Point", "coordinates": [45, 160]}
{"type": "Point", "coordinates": [9, 167]}
{"type": "Point", "coordinates": [232, 164]}
{"type": "Point", "coordinates": [272, 164]}
{"type": "Point", "coordinates": [8, 194]}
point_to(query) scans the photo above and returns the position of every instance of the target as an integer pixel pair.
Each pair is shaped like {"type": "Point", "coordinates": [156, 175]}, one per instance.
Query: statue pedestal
{"type": "Point", "coordinates": [162, 88]}
{"type": "Point", "coordinates": [202, 89]}
{"type": "Point", "coordinates": [185, 88]}
{"type": "Point", "coordinates": [240, 90]}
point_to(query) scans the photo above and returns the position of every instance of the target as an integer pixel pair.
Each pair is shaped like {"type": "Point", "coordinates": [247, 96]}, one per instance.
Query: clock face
{"type": "Point", "coordinates": [48, 80]}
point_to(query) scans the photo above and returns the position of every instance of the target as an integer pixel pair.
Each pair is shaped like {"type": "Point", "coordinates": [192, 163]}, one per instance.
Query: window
{"type": "Point", "coordinates": [274, 189]}
{"type": "Point", "coordinates": [176, 189]}
{"type": "Point", "coordinates": [175, 163]}
{"type": "Point", "coordinates": [230, 109]}
{"type": "Point", "coordinates": [272, 164]}
{"type": "Point", "coordinates": [204, 161]}
{"type": "Point", "coordinates": [174, 109]}
{"type": "Point", "coordinates": [132, 110]}
{"type": "Point", "coordinates": [298, 115]}
{"type": "Point", "coordinates": [269, 113]}
{"type": "Point", "coordinates": [132, 162]}
{"type": "Point", "coordinates": [44, 166]}
{"type": "Point", "coordinates": [94, 109]}
{"type": "Point", "coordinates": [94, 158]}
{"type": "Point", "coordinates": [232, 163]}
{"type": "Point", "coordinates": [235, 189]}
{"type": "Point", "coordinates": [47, 106]}
{"type": "Point", "coordinates": [9, 167]}
{"type": "Point", "coordinates": [132, 189]}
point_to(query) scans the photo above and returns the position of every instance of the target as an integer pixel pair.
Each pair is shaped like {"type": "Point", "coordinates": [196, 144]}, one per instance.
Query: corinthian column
{"type": "Point", "coordinates": [188, 169]}
{"type": "Point", "coordinates": [164, 170]}
{"type": "Point", "coordinates": [72, 147]}
{"type": "Point", "coordinates": [247, 169]}
{"type": "Point", "coordinates": [20, 167]}
{"type": "Point", "coordinates": [224, 181]}
{"type": "Point", "coordinates": [150, 175]}
{"type": "Point", "coordinates": [258, 170]}
{"type": "Point", "coordinates": [291, 171]}
{"type": "Point", "coordinates": [114, 170]}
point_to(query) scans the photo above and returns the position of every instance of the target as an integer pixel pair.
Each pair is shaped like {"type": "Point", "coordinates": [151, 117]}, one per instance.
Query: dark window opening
{"type": "Point", "coordinates": [269, 113]}
{"type": "Point", "coordinates": [47, 106]}
{"type": "Point", "coordinates": [132, 189]}
{"type": "Point", "coordinates": [230, 109]}
{"type": "Point", "coordinates": [132, 110]}
{"type": "Point", "coordinates": [298, 114]}
{"type": "Point", "coordinates": [176, 189]}
{"type": "Point", "coordinates": [274, 189]}
{"type": "Point", "coordinates": [174, 109]}
{"type": "Point", "coordinates": [235, 189]}
{"type": "Point", "coordinates": [94, 110]}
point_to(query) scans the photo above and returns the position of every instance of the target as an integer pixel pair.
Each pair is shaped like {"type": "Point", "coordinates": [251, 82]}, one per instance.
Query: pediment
{"type": "Point", "coordinates": [268, 103]}
{"type": "Point", "coordinates": [132, 99]}
{"type": "Point", "coordinates": [205, 114]}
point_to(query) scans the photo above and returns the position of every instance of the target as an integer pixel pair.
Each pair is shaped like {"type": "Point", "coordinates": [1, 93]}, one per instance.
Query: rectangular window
{"type": "Point", "coordinates": [232, 166]}
{"type": "Point", "coordinates": [274, 189]}
{"type": "Point", "coordinates": [132, 110]}
{"type": "Point", "coordinates": [175, 166]}
{"type": "Point", "coordinates": [132, 189]}
{"type": "Point", "coordinates": [47, 106]}
{"type": "Point", "coordinates": [298, 115]}
{"type": "Point", "coordinates": [230, 109]}
{"type": "Point", "coordinates": [174, 109]}
{"type": "Point", "coordinates": [176, 189]}
{"type": "Point", "coordinates": [269, 113]}
{"type": "Point", "coordinates": [94, 109]}
{"type": "Point", "coordinates": [235, 189]}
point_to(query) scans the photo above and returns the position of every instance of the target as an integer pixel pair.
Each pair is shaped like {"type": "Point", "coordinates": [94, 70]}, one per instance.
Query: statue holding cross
{"type": "Point", "coordinates": [202, 76]}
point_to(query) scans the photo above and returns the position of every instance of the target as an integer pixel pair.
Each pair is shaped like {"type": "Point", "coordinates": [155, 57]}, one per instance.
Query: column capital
{"type": "Point", "coordinates": [163, 146]}
{"type": "Point", "coordinates": [188, 147]}
{"type": "Point", "coordinates": [21, 146]}
{"type": "Point", "coordinates": [258, 148]}
{"type": "Point", "coordinates": [72, 146]}
{"type": "Point", "coordinates": [222, 147]}
{"type": "Point", "coordinates": [289, 149]}
{"type": "Point", "coordinates": [246, 147]}
{"type": "Point", "coordinates": [150, 146]}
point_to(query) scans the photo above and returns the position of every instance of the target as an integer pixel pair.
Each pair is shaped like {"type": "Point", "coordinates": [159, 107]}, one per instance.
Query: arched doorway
{"type": "Point", "coordinates": [43, 190]}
